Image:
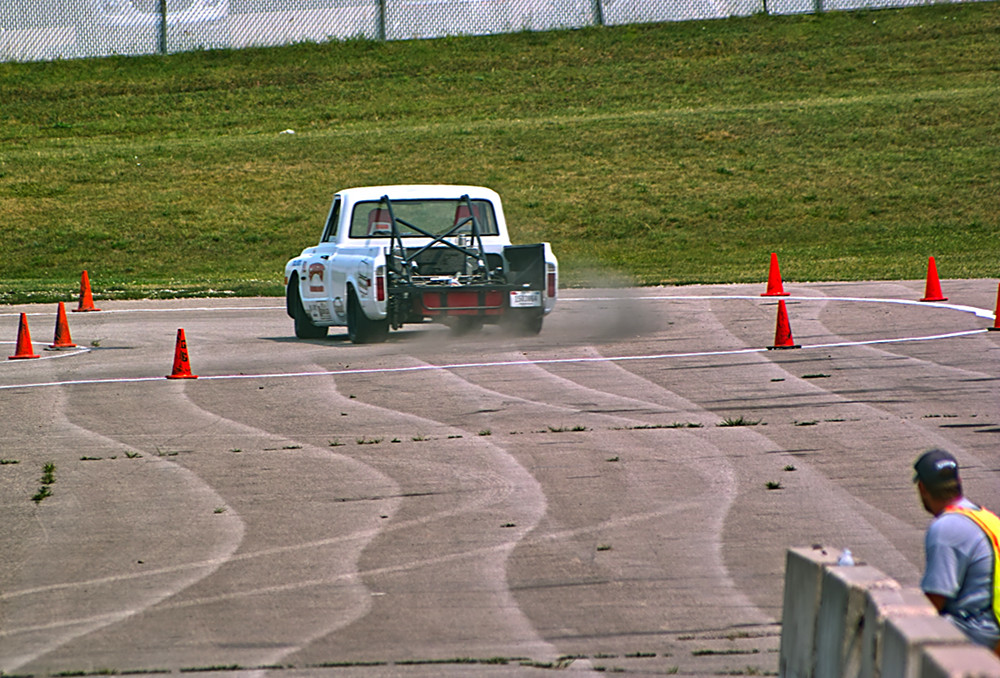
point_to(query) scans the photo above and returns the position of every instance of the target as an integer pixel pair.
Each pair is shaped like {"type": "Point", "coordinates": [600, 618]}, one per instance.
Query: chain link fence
{"type": "Point", "coordinates": [35, 30]}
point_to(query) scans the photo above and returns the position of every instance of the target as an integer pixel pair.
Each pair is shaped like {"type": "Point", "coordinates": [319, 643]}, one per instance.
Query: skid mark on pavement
{"type": "Point", "coordinates": [286, 504]}
{"type": "Point", "coordinates": [488, 482]}
{"type": "Point", "coordinates": [727, 486]}
{"type": "Point", "coordinates": [697, 523]}
{"type": "Point", "coordinates": [847, 512]}
{"type": "Point", "coordinates": [69, 539]}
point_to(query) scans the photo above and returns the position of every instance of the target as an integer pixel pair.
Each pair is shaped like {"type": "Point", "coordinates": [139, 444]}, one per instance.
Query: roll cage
{"type": "Point", "coordinates": [413, 267]}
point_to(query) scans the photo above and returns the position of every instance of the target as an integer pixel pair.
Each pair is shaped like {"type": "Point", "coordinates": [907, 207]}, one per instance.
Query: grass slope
{"type": "Point", "coordinates": [853, 144]}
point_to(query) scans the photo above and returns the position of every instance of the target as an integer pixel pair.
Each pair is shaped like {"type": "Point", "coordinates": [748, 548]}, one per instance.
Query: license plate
{"type": "Point", "coordinates": [525, 299]}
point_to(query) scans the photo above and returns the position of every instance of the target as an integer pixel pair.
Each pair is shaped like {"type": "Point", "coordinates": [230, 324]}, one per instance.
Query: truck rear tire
{"type": "Point", "coordinates": [360, 328]}
{"type": "Point", "coordinates": [304, 327]}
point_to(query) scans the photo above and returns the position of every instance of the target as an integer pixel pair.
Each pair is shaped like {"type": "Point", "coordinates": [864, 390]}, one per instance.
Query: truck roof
{"type": "Point", "coordinates": [411, 191]}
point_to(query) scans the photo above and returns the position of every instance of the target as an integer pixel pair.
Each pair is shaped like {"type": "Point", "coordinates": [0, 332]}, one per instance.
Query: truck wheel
{"type": "Point", "coordinates": [524, 322]}
{"type": "Point", "coordinates": [360, 328]}
{"type": "Point", "coordinates": [304, 327]}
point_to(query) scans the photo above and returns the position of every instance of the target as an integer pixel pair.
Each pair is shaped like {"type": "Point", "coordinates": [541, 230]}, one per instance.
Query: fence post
{"type": "Point", "coordinates": [380, 20]}
{"type": "Point", "coordinates": [598, 13]}
{"type": "Point", "coordinates": [162, 41]}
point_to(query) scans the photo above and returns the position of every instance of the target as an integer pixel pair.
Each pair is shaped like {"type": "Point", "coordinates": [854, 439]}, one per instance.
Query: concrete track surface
{"type": "Point", "coordinates": [615, 494]}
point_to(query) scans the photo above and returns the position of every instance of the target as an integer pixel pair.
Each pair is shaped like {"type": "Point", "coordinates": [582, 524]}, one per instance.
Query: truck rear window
{"type": "Point", "coordinates": [436, 217]}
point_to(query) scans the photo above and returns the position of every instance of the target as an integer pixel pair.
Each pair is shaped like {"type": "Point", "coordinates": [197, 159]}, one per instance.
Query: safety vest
{"type": "Point", "coordinates": [989, 523]}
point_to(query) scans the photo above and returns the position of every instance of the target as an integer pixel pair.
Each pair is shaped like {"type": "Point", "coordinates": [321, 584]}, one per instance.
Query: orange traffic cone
{"type": "Point", "coordinates": [182, 367]}
{"type": "Point", "coordinates": [996, 313]}
{"type": "Point", "coordinates": [932, 291]}
{"type": "Point", "coordinates": [23, 341]}
{"type": "Point", "coordinates": [782, 330]}
{"type": "Point", "coordinates": [86, 298]}
{"type": "Point", "coordinates": [774, 287]}
{"type": "Point", "coordinates": [62, 338]}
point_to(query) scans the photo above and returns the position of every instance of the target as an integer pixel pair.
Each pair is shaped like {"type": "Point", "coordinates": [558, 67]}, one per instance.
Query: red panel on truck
{"type": "Point", "coordinates": [463, 302]}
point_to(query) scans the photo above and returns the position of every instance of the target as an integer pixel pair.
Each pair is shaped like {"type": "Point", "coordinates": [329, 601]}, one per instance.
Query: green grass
{"type": "Point", "coordinates": [853, 144]}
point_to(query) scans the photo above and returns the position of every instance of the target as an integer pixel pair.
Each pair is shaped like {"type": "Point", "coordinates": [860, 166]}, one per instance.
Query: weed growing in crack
{"type": "Point", "coordinates": [738, 421]}
{"type": "Point", "coordinates": [564, 429]}
{"type": "Point", "coordinates": [208, 669]}
{"type": "Point", "coordinates": [711, 653]}
{"type": "Point", "coordinates": [48, 477]}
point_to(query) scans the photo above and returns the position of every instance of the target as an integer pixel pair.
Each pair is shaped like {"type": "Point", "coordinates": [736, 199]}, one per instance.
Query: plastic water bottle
{"type": "Point", "coordinates": [846, 558]}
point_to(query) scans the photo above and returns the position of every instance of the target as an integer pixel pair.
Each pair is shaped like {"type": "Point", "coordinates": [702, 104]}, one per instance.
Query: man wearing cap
{"type": "Point", "coordinates": [962, 551]}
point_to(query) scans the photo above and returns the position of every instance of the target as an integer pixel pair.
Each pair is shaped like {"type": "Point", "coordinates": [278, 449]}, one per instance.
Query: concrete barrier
{"type": "Point", "coordinates": [800, 609]}
{"type": "Point", "coordinates": [884, 604]}
{"type": "Point", "coordinates": [842, 618]}
{"type": "Point", "coordinates": [906, 637]}
{"type": "Point", "coordinates": [970, 661]}
{"type": "Point", "coordinates": [855, 622]}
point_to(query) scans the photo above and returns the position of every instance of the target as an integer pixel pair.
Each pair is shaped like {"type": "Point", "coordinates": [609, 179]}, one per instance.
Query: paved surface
{"type": "Point", "coordinates": [570, 500]}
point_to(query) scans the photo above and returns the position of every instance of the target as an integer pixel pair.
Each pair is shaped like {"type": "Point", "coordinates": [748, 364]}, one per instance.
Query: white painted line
{"type": "Point", "coordinates": [115, 311]}
{"type": "Point", "coordinates": [78, 382]}
{"type": "Point", "coordinates": [547, 361]}
{"type": "Point", "coordinates": [52, 353]}
{"type": "Point", "coordinates": [499, 363]}
{"type": "Point", "coordinates": [899, 340]}
{"type": "Point", "coordinates": [980, 312]}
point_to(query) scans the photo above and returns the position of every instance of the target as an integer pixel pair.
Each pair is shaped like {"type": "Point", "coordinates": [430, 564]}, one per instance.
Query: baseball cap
{"type": "Point", "coordinates": [935, 467]}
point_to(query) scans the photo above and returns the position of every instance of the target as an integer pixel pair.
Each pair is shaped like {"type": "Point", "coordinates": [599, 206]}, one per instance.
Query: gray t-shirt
{"type": "Point", "coordinates": [960, 568]}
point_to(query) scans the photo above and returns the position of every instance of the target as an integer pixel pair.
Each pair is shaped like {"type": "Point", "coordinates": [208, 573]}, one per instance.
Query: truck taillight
{"type": "Point", "coordinates": [550, 280]}
{"type": "Point", "coordinates": [380, 283]}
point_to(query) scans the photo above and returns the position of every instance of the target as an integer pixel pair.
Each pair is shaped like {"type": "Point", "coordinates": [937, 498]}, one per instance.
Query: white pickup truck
{"type": "Point", "coordinates": [391, 255]}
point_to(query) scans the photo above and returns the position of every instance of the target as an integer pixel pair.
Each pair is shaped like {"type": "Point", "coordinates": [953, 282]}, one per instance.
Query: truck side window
{"type": "Point", "coordinates": [330, 232]}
